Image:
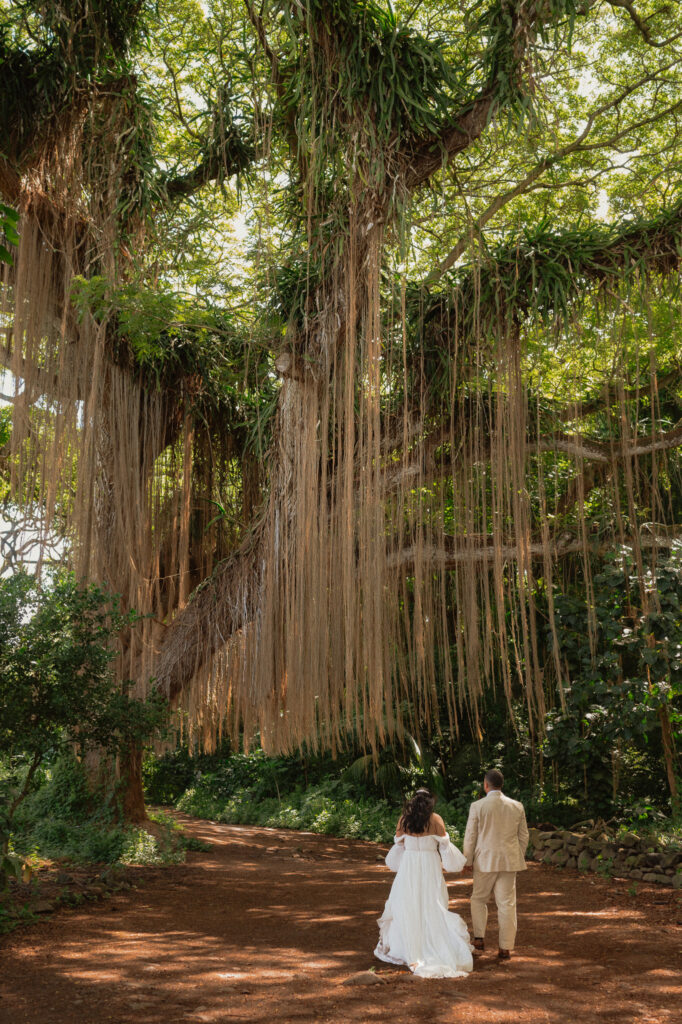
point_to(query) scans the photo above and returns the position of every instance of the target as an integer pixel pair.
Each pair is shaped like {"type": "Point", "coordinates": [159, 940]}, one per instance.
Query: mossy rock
{"type": "Point", "coordinates": [628, 840]}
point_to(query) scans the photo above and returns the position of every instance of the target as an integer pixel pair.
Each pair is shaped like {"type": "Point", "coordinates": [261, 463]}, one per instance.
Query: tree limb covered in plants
{"type": "Point", "coordinates": [229, 150]}
{"type": "Point", "coordinates": [215, 167]}
{"type": "Point", "coordinates": [550, 272]}
{"type": "Point", "coordinates": [579, 145]}
{"type": "Point", "coordinates": [426, 467]}
{"type": "Point", "coordinates": [511, 31]}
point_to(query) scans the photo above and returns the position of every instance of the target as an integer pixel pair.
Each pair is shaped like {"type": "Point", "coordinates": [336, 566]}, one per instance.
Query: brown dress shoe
{"type": "Point", "coordinates": [479, 945]}
{"type": "Point", "coordinates": [504, 954]}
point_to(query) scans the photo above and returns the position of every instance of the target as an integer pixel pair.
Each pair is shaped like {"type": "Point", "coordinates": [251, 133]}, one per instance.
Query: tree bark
{"type": "Point", "coordinates": [669, 757]}
{"type": "Point", "coordinates": [133, 810]}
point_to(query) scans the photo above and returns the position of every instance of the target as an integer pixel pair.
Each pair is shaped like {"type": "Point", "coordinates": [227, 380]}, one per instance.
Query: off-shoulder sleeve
{"type": "Point", "coordinates": [452, 858]}
{"type": "Point", "coordinates": [395, 854]}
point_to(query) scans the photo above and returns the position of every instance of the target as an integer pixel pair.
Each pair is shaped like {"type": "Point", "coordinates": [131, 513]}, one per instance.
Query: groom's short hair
{"type": "Point", "coordinates": [494, 778]}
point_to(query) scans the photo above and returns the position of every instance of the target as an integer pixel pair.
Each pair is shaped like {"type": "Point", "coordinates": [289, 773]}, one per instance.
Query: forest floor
{"type": "Point", "coordinates": [271, 925]}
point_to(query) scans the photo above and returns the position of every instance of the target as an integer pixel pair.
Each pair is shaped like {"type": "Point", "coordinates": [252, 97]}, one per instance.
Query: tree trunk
{"type": "Point", "coordinates": [133, 810]}
{"type": "Point", "coordinates": [669, 757]}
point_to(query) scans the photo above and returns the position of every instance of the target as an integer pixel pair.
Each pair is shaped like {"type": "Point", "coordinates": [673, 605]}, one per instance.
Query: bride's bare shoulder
{"type": "Point", "coordinates": [437, 825]}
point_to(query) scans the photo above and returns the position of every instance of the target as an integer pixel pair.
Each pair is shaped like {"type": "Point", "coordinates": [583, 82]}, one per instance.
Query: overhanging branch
{"type": "Point", "coordinates": [429, 155]}
{"type": "Point", "coordinates": [640, 23]}
{"type": "Point", "coordinates": [518, 25]}
{"type": "Point", "coordinates": [579, 145]}
{"type": "Point", "coordinates": [550, 273]}
{"type": "Point", "coordinates": [425, 468]}
{"type": "Point", "coordinates": [233, 155]}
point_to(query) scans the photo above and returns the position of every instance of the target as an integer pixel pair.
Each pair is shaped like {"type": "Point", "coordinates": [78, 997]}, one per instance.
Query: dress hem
{"type": "Point", "coordinates": [422, 970]}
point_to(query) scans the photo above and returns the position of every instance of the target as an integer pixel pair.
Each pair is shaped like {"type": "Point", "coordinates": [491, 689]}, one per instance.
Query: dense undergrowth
{"type": "Point", "coordinates": [347, 798]}
{"type": "Point", "coordinates": [66, 819]}
{"type": "Point", "coordinates": [309, 794]}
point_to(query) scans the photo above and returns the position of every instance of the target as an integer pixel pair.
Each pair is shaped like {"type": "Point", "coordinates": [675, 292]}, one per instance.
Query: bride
{"type": "Point", "coordinates": [416, 929]}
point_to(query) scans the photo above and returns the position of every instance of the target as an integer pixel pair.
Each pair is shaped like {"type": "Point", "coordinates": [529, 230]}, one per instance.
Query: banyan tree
{"type": "Point", "coordinates": [341, 470]}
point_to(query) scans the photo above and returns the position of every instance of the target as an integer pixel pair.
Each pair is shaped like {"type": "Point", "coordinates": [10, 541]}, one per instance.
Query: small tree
{"type": "Point", "coordinates": [57, 688]}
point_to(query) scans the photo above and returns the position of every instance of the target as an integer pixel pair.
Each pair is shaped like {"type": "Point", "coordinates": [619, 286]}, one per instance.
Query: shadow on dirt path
{"type": "Point", "coordinates": [269, 924]}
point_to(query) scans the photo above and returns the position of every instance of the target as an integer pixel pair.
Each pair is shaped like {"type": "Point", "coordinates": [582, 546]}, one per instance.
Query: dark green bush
{"type": "Point", "coordinates": [65, 818]}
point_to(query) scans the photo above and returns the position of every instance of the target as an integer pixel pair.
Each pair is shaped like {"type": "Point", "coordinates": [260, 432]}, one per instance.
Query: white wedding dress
{"type": "Point", "coordinates": [416, 928]}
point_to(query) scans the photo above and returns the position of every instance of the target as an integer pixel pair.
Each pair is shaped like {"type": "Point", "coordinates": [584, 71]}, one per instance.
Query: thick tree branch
{"type": "Point", "coordinates": [521, 22]}
{"type": "Point", "coordinates": [656, 443]}
{"type": "Point", "coordinates": [232, 156]}
{"type": "Point", "coordinates": [455, 554]}
{"type": "Point", "coordinates": [427, 469]}
{"type": "Point", "coordinates": [640, 24]}
{"type": "Point", "coordinates": [577, 146]}
{"type": "Point", "coordinates": [429, 155]}
{"type": "Point", "coordinates": [581, 408]}
{"type": "Point", "coordinates": [603, 451]}
{"type": "Point", "coordinates": [546, 274]}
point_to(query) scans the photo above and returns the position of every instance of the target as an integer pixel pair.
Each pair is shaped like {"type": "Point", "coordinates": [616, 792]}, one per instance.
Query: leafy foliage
{"type": "Point", "coordinates": [38, 81]}
{"type": "Point", "coordinates": [57, 690]}
{"type": "Point", "coordinates": [9, 220]}
{"type": "Point", "coordinates": [67, 818]}
{"type": "Point", "coordinates": [614, 700]}
{"type": "Point", "coordinates": [398, 82]}
{"type": "Point", "coordinates": [315, 793]}
{"type": "Point", "coordinates": [176, 343]}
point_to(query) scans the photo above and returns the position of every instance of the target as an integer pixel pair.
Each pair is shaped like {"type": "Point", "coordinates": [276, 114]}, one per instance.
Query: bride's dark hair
{"type": "Point", "coordinates": [417, 811]}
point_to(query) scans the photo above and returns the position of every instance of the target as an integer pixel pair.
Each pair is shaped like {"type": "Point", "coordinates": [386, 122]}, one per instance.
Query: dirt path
{"type": "Point", "coordinates": [269, 924]}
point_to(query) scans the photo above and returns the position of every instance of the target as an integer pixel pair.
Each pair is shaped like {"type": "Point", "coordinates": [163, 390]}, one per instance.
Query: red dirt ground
{"type": "Point", "coordinates": [269, 924]}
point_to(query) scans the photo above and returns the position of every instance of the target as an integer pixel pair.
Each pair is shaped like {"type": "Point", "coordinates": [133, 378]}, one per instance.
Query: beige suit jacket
{"type": "Point", "coordinates": [496, 835]}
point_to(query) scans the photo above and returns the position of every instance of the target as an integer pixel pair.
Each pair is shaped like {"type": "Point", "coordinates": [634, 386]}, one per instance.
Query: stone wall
{"type": "Point", "coordinates": [622, 856]}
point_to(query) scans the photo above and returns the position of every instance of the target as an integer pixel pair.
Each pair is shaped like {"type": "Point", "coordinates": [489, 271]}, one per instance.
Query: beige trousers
{"type": "Point", "coordinates": [503, 885]}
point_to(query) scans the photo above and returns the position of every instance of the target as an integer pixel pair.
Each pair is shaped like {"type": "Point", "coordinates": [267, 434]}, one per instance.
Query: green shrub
{"type": "Point", "coordinates": [330, 807]}
{"type": "Point", "coordinates": [66, 819]}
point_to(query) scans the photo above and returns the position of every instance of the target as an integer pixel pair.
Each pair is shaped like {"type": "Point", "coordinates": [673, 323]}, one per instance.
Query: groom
{"type": "Point", "coordinates": [495, 844]}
